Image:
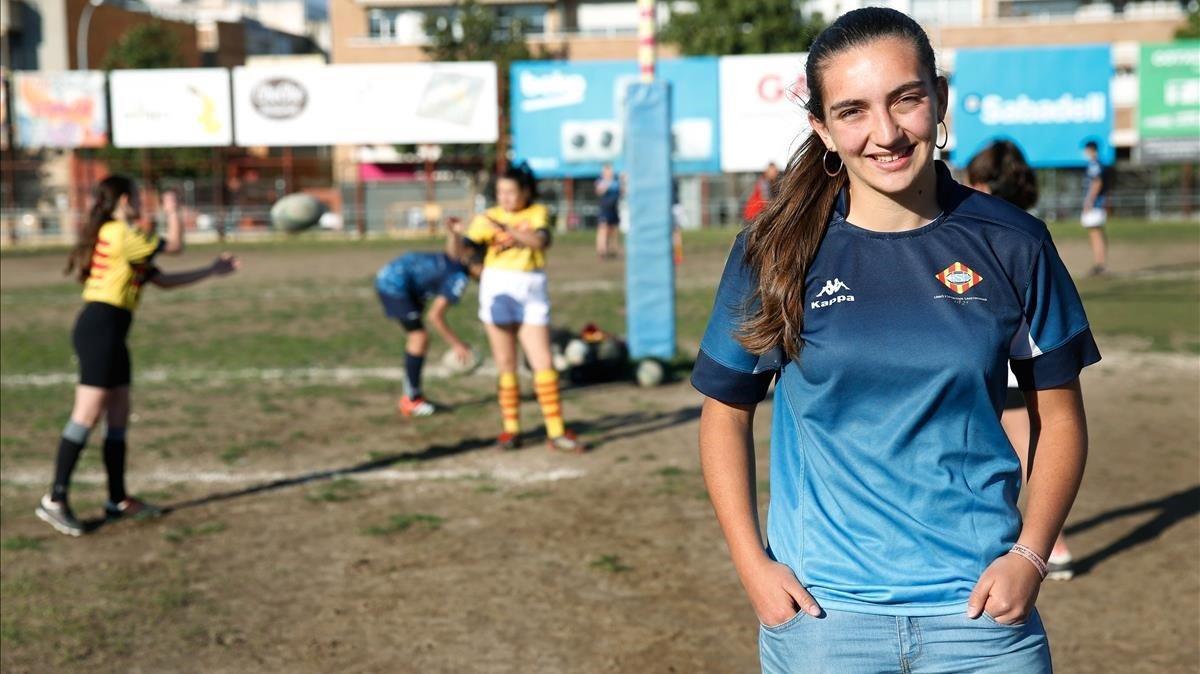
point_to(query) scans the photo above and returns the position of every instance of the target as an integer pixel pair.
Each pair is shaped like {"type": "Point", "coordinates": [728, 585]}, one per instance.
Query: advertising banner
{"type": "Point", "coordinates": [60, 109]}
{"type": "Point", "coordinates": [1048, 100]}
{"type": "Point", "coordinates": [171, 107]}
{"type": "Point", "coordinates": [567, 116]}
{"type": "Point", "coordinates": [763, 118]}
{"type": "Point", "coordinates": [288, 105]}
{"type": "Point", "coordinates": [1169, 101]}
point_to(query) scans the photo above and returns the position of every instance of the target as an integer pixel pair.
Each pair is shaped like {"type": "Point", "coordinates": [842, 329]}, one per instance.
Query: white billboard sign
{"type": "Point", "coordinates": [171, 107]}
{"type": "Point", "coordinates": [762, 110]}
{"type": "Point", "coordinates": [365, 104]}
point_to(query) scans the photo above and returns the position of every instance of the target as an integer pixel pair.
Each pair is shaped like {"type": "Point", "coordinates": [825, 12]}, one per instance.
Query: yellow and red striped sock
{"type": "Point", "coordinates": [545, 383]}
{"type": "Point", "coordinates": [510, 402]}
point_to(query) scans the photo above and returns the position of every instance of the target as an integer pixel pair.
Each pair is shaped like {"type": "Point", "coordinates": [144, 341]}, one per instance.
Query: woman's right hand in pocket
{"type": "Point", "coordinates": [776, 595]}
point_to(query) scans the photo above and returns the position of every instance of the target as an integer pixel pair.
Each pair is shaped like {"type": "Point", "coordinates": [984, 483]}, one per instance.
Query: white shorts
{"type": "Point", "coordinates": [1094, 217]}
{"type": "Point", "coordinates": [508, 297]}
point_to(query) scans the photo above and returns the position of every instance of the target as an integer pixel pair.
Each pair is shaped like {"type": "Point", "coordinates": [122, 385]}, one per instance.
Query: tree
{"type": "Point", "coordinates": [471, 32]}
{"type": "Point", "coordinates": [151, 45]}
{"type": "Point", "coordinates": [1191, 29]}
{"type": "Point", "coordinates": [728, 27]}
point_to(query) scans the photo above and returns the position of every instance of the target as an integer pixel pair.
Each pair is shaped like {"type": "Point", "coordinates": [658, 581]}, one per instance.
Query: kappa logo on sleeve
{"type": "Point", "coordinates": [831, 289]}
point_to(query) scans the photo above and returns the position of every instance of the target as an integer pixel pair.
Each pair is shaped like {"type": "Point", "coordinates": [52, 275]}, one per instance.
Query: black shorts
{"type": "Point", "coordinates": [404, 308]}
{"type": "Point", "coordinates": [99, 339]}
{"type": "Point", "coordinates": [1014, 399]}
{"type": "Point", "coordinates": [609, 215]}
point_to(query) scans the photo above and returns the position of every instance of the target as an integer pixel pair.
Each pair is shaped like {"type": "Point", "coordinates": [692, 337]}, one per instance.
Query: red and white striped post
{"type": "Point", "coordinates": [647, 39]}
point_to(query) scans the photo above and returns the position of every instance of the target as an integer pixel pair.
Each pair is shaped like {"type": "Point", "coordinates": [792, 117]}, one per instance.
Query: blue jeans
{"type": "Point", "coordinates": [861, 643]}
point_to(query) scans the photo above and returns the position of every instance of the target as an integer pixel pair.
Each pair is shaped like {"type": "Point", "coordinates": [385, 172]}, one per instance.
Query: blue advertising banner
{"type": "Point", "coordinates": [567, 116]}
{"type": "Point", "coordinates": [1048, 100]}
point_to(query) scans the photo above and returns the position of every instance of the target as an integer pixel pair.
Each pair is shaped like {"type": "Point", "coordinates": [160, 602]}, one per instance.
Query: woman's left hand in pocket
{"type": "Point", "coordinates": [1007, 591]}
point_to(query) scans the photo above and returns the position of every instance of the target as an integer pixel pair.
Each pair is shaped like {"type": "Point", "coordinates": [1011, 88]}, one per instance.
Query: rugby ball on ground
{"type": "Point", "coordinates": [454, 366]}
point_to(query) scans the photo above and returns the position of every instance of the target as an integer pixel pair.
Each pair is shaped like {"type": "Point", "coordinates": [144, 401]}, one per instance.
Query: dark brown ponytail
{"type": "Point", "coordinates": [108, 193]}
{"type": "Point", "coordinates": [782, 242]}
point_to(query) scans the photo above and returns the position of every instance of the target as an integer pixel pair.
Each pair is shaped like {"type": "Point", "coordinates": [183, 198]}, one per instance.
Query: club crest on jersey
{"type": "Point", "coordinates": [833, 290]}
{"type": "Point", "coordinates": [959, 277]}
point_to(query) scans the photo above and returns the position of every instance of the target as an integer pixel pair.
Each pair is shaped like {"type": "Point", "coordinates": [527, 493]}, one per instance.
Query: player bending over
{"type": "Point", "coordinates": [409, 282]}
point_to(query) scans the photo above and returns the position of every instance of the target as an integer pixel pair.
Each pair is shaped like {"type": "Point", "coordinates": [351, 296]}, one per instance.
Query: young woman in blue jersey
{"type": "Point", "coordinates": [405, 285]}
{"type": "Point", "coordinates": [887, 300]}
{"type": "Point", "coordinates": [1000, 170]}
{"type": "Point", "coordinates": [113, 258]}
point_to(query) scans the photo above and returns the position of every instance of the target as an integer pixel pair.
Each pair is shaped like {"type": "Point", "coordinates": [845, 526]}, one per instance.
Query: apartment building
{"type": "Point", "coordinates": [371, 31]}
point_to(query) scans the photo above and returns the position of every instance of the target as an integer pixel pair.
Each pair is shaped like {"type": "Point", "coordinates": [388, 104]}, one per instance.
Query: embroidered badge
{"type": "Point", "coordinates": [959, 277]}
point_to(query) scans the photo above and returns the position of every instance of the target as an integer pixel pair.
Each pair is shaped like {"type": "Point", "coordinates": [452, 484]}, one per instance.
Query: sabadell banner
{"type": "Point", "coordinates": [1049, 100]}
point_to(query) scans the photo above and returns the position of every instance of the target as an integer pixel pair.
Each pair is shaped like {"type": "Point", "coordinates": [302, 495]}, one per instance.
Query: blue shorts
{"type": "Point", "coordinates": [862, 643]}
{"type": "Point", "coordinates": [403, 308]}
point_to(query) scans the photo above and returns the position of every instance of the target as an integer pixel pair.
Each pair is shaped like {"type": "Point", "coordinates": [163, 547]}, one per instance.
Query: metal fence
{"type": "Point", "coordinates": [240, 208]}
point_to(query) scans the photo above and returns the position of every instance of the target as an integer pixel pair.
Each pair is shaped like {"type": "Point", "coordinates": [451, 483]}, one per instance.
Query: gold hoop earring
{"type": "Point", "coordinates": [942, 145]}
{"type": "Point", "coordinates": [825, 165]}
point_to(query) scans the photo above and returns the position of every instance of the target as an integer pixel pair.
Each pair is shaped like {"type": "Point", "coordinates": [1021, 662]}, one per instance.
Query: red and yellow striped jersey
{"type": "Point", "coordinates": [121, 263]}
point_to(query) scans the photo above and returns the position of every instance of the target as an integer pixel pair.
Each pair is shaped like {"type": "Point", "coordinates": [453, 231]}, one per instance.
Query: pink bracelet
{"type": "Point", "coordinates": [1033, 557]}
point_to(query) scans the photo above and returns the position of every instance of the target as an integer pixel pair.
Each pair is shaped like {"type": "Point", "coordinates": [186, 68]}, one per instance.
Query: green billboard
{"type": "Point", "coordinates": [1169, 101]}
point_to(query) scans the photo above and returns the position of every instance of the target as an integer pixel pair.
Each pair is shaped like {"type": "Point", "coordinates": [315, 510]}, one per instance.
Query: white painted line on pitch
{"type": "Point", "coordinates": [318, 375]}
{"type": "Point", "coordinates": [513, 475]}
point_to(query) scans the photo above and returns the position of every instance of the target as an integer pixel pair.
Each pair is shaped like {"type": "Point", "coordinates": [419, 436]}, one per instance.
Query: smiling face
{"type": "Point", "coordinates": [881, 116]}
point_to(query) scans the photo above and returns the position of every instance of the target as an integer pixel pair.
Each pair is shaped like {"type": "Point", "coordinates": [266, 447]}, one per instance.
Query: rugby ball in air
{"type": "Point", "coordinates": [296, 212]}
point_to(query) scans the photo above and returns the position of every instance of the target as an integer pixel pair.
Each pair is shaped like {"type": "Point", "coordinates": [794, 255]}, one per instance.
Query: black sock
{"type": "Point", "coordinates": [114, 464]}
{"type": "Point", "coordinates": [412, 375]}
{"type": "Point", "coordinates": [64, 465]}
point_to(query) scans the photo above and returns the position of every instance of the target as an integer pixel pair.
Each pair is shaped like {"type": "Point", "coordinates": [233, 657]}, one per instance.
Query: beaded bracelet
{"type": "Point", "coordinates": [1033, 557]}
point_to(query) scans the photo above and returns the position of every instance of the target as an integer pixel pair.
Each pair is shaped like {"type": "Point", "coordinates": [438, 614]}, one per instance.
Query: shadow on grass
{"type": "Point", "coordinates": [632, 424]}
{"type": "Point", "coordinates": [428, 454]}
{"type": "Point", "coordinates": [608, 429]}
{"type": "Point", "coordinates": [1168, 510]}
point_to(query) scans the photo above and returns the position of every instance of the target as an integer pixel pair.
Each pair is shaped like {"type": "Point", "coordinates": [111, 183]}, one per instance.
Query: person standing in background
{"type": "Point", "coordinates": [608, 188]}
{"type": "Point", "coordinates": [1095, 198]}
{"type": "Point", "coordinates": [761, 195]}
{"type": "Point", "coordinates": [1000, 170]}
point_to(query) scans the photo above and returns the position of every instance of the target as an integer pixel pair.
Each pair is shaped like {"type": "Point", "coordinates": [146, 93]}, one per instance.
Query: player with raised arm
{"type": "Point", "coordinates": [113, 258]}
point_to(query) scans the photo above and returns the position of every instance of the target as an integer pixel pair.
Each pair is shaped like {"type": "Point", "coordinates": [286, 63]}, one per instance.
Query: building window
{"type": "Point", "coordinates": [523, 19]}
{"type": "Point", "coordinates": [946, 12]}
{"type": "Point", "coordinates": [1010, 9]}
{"type": "Point", "coordinates": [609, 17]}
{"type": "Point", "coordinates": [407, 25]}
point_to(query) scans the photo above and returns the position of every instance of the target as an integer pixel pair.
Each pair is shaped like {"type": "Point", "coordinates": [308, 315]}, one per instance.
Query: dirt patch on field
{"type": "Point", "coordinates": [615, 565]}
{"type": "Point", "coordinates": [315, 531]}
